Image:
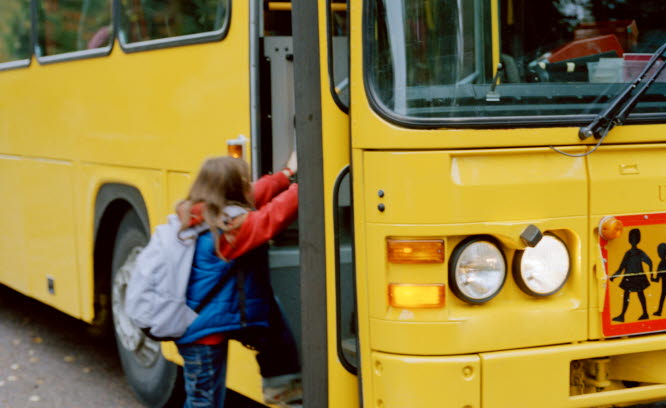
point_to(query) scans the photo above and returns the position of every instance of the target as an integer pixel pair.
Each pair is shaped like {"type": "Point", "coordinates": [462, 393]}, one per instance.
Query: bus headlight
{"type": "Point", "coordinates": [477, 270]}
{"type": "Point", "coordinates": [542, 270]}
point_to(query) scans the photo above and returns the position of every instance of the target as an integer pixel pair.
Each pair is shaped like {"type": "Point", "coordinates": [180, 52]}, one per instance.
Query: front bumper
{"type": "Point", "coordinates": [535, 377]}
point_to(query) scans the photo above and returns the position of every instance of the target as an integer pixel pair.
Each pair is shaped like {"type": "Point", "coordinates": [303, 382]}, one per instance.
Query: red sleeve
{"type": "Point", "coordinates": [263, 224]}
{"type": "Point", "coordinates": [265, 189]}
{"type": "Point", "coordinates": [268, 187]}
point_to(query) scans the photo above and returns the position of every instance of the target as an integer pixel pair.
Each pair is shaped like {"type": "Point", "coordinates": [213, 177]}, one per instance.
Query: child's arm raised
{"type": "Point", "coordinates": [261, 225]}
{"type": "Point", "coordinates": [269, 186]}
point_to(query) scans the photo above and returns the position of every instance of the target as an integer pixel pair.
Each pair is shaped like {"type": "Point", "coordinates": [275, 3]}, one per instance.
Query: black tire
{"type": "Point", "coordinates": [155, 381]}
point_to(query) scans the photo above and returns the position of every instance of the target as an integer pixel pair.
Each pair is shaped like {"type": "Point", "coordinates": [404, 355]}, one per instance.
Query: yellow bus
{"type": "Point", "coordinates": [482, 216]}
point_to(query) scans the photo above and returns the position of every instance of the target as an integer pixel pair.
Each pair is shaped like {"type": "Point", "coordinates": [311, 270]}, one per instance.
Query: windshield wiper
{"type": "Point", "coordinates": [616, 113]}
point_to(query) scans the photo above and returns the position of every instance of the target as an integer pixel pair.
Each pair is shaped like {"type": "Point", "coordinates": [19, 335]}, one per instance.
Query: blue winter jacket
{"type": "Point", "coordinates": [225, 312]}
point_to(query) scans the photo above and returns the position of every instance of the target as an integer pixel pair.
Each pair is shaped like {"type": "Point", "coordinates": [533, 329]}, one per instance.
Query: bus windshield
{"type": "Point", "coordinates": [547, 60]}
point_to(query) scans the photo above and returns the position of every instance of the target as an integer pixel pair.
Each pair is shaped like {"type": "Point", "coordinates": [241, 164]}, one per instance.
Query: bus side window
{"type": "Point", "coordinates": [14, 30]}
{"type": "Point", "coordinates": [345, 275]}
{"type": "Point", "coordinates": [157, 19]}
{"type": "Point", "coordinates": [70, 26]}
{"type": "Point", "coordinates": [338, 33]}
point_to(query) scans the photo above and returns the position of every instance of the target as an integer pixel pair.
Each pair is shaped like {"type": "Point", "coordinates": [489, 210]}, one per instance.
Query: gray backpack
{"type": "Point", "coordinates": [156, 293]}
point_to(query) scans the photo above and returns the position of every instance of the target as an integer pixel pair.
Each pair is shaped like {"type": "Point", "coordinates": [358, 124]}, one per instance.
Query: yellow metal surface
{"type": "Point", "coordinates": [243, 372]}
{"type": "Point", "coordinates": [474, 186]}
{"type": "Point", "coordinates": [342, 385]}
{"type": "Point", "coordinates": [13, 241]}
{"type": "Point", "coordinates": [48, 210]}
{"type": "Point", "coordinates": [627, 180]}
{"type": "Point", "coordinates": [69, 127]}
{"type": "Point", "coordinates": [645, 367]}
{"type": "Point", "coordinates": [540, 376]}
{"type": "Point", "coordinates": [178, 185]}
{"type": "Point", "coordinates": [407, 381]}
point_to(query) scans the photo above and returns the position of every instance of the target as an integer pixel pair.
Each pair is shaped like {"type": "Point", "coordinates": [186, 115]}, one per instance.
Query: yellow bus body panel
{"type": "Point", "coordinates": [69, 127]}
{"type": "Point", "coordinates": [496, 197]}
{"type": "Point", "coordinates": [450, 184]}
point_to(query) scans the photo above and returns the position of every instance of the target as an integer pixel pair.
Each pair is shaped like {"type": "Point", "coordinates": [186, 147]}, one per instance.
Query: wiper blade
{"type": "Point", "coordinates": [616, 113]}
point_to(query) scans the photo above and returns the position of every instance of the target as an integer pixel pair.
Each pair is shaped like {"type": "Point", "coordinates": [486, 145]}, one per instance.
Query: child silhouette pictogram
{"type": "Point", "coordinates": [634, 279]}
{"type": "Point", "coordinates": [661, 276]}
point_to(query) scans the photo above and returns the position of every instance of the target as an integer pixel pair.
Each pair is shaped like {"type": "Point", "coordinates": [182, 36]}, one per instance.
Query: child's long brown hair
{"type": "Point", "coordinates": [222, 181]}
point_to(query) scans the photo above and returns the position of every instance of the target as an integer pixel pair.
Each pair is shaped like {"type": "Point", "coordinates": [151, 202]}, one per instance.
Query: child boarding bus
{"type": "Point", "coordinates": [482, 184]}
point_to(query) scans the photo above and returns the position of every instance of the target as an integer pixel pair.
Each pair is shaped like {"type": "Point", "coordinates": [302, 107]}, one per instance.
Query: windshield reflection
{"type": "Point", "coordinates": [437, 59]}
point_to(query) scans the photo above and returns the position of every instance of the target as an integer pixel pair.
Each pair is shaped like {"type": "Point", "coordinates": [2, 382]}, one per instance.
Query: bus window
{"type": "Point", "coordinates": [70, 26]}
{"type": "Point", "coordinates": [338, 26]}
{"type": "Point", "coordinates": [156, 20]}
{"type": "Point", "coordinates": [345, 276]}
{"type": "Point", "coordinates": [430, 61]}
{"type": "Point", "coordinates": [14, 30]}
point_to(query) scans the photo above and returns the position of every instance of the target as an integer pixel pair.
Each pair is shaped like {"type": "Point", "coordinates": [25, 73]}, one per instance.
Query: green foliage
{"type": "Point", "coordinates": [155, 19]}
{"type": "Point", "coordinates": [69, 25]}
{"type": "Point", "coordinates": [14, 30]}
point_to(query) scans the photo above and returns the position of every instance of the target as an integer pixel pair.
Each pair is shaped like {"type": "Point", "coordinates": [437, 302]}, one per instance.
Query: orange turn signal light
{"type": "Point", "coordinates": [403, 295]}
{"type": "Point", "coordinates": [236, 147]}
{"type": "Point", "coordinates": [610, 228]}
{"type": "Point", "coordinates": [235, 151]}
{"type": "Point", "coordinates": [415, 251]}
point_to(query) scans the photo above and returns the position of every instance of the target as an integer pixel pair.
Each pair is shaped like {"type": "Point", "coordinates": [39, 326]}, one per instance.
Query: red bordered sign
{"type": "Point", "coordinates": [635, 265]}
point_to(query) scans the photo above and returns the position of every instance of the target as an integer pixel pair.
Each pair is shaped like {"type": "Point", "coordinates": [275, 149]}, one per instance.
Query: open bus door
{"type": "Point", "coordinates": [325, 203]}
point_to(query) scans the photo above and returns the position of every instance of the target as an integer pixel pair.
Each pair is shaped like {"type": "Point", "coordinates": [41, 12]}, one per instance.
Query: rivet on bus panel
{"type": "Point", "coordinates": [378, 367]}
{"type": "Point", "coordinates": [610, 228]}
{"type": "Point", "coordinates": [468, 372]}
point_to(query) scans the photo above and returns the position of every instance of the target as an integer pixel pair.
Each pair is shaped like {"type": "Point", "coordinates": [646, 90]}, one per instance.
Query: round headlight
{"type": "Point", "coordinates": [542, 270]}
{"type": "Point", "coordinates": [477, 270]}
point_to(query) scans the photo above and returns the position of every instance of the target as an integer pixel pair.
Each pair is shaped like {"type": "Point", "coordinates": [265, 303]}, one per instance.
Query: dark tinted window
{"type": "Point", "coordinates": [73, 25]}
{"type": "Point", "coordinates": [437, 60]}
{"type": "Point", "coordinates": [158, 19]}
{"type": "Point", "coordinates": [339, 43]}
{"type": "Point", "coordinates": [14, 30]}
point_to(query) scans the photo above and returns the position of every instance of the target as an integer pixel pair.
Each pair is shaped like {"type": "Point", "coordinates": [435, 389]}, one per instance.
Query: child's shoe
{"type": "Point", "coordinates": [284, 390]}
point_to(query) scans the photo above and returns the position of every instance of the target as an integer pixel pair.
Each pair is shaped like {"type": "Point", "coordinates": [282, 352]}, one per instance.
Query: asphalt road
{"type": "Point", "coordinates": [47, 360]}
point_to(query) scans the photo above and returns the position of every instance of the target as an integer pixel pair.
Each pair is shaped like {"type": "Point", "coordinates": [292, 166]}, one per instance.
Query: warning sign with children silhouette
{"type": "Point", "coordinates": [635, 263]}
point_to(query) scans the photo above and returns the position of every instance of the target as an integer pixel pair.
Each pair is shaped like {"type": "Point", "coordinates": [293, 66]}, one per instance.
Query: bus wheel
{"type": "Point", "coordinates": [153, 379]}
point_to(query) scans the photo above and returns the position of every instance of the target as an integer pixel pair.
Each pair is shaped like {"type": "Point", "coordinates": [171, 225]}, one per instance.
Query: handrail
{"type": "Point", "coordinates": [286, 6]}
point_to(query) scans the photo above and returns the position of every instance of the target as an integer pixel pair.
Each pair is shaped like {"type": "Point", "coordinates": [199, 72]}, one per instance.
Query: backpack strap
{"type": "Point", "coordinates": [216, 289]}
{"type": "Point", "coordinates": [240, 287]}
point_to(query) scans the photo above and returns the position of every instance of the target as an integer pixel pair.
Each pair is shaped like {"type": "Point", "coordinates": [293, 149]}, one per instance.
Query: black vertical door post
{"type": "Point", "coordinates": [311, 202]}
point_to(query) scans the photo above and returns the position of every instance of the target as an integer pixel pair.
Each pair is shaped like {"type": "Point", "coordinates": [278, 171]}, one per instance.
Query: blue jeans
{"type": "Point", "coordinates": [205, 366]}
{"type": "Point", "coordinates": [205, 372]}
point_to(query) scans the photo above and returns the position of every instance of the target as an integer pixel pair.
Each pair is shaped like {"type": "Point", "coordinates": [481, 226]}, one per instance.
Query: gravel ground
{"type": "Point", "coordinates": [47, 359]}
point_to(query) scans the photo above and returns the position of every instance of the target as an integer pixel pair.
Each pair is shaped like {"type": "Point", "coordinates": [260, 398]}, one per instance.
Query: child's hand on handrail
{"type": "Point", "coordinates": [291, 167]}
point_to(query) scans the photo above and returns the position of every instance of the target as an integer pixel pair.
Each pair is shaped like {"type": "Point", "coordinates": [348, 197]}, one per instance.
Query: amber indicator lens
{"type": "Point", "coordinates": [235, 150]}
{"type": "Point", "coordinates": [415, 251]}
{"type": "Point", "coordinates": [610, 228]}
{"type": "Point", "coordinates": [404, 295]}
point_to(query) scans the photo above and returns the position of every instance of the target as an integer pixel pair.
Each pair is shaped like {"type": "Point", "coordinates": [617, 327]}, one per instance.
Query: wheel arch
{"type": "Point", "coordinates": [112, 201]}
